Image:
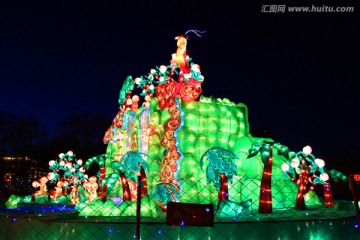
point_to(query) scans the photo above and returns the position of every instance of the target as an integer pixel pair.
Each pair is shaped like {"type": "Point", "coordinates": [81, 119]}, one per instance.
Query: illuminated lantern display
{"type": "Point", "coordinates": [100, 161]}
{"type": "Point", "coordinates": [266, 151]}
{"type": "Point", "coordinates": [177, 130]}
{"type": "Point", "coordinates": [219, 170]}
{"type": "Point", "coordinates": [307, 171]}
{"type": "Point", "coordinates": [168, 142]}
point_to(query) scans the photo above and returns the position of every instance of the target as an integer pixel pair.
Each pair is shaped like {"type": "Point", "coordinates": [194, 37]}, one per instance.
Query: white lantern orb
{"type": "Point", "coordinates": [162, 69]}
{"type": "Point", "coordinates": [137, 80]}
{"type": "Point", "coordinates": [320, 162]}
{"type": "Point", "coordinates": [285, 167]}
{"type": "Point", "coordinates": [195, 68]}
{"type": "Point", "coordinates": [70, 153]}
{"type": "Point", "coordinates": [61, 155]}
{"type": "Point", "coordinates": [50, 175]}
{"type": "Point", "coordinates": [51, 162]}
{"type": "Point", "coordinates": [35, 184]}
{"type": "Point", "coordinates": [79, 161]}
{"type": "Point", "coordinates": [187, 75]}
{"type": "Point", "coordinates": [62, 163]}
{"type": "Point", "coordinates": [152, 71]}
{"type": "Point", "coordinates": [324, 177]}
{"type": "Point", "coordinates": [68, 165]}
{"type": "Point", "coordinates": [307, 150]}
{"type": "Point", "coordinates": [295, 162]}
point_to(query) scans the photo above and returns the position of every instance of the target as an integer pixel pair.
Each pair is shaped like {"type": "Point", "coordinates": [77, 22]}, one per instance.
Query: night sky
{"type": "Point", "coordinates": [298, 73]}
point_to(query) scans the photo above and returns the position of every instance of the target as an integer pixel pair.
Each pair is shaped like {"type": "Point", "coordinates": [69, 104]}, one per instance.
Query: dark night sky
{"type": "Point", "coordinates": [296, 72]}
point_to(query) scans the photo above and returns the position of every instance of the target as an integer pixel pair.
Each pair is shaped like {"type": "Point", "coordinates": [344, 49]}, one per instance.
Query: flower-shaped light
{"type": "Point", "coordinates": [295, 162]}
{"type": "Point", "coordinates": [195, 67]}
{"type": "Point", "coordinates": [320, 162]}
{"type": "Point", "coordinates": [324, 177]}
{"type": "Point", "coordinates": [285, 167]}
{"type": "Point", "coordinates": [68, 165]}
{"type": "Point", "coordinates": [307, 150]}
{"type": "Point", "coordinates": [162, 69]}
{"type": "Point", "coordinates": [137, 80]}
{"type": "Point", "coordinates": [50, 175]}
{"type": "Point", "coordinates": [36, 184]}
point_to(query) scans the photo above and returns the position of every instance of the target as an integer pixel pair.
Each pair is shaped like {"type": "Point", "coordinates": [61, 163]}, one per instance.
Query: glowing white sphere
{"type": "Point", "coordinates": [162, 69]}
{"type": "Point", "coordinates": [62, 163]}
{"type": "Point", "coordinates": [295, 162]}
{"type": "Point", "coordinates": [70, 153]}
{"type": "Point", "coordinates": [320, 162]}
{"type": "Point", "coordinates": [35, 184]}
{"type": "Point", "coordinates": [195, 67]}
{"type": "Point", "coordinates": [50, 175]}
{"type": "Point", "coordinates": [324, 177]}
{"type": "Point", "coordinates": [307, 150]}
{"type": "Point", "coordinates": [68, 165]}
{"type": "Point", "coordinates": [51, 162]}
{"type": "Point", "coordinates": [79, 161]}
{"type": "Point", "coordinates": [137, 80]}
{"type": "Point", "coordinates": [187, 75]}
{"type": "Point", "coordinates": [61, 155]}
{"type": "Point", "coordinates": [285, 167]}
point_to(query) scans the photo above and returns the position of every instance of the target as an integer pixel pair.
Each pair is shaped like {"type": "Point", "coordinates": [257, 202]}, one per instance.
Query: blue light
{"type": "Point", "coordinates": [182, 223]}
{"type": "Point", "coordinates": [159, 231]}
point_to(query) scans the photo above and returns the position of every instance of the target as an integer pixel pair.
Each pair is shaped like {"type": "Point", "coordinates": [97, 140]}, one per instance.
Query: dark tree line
{"type": "Point", "coordinates": [22, 136]}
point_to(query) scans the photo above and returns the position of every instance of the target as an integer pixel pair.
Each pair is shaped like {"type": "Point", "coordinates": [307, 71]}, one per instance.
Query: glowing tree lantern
{"type": "Point", "coordinates": [165, 192]}
{"type": "Point", "coordinates": [307, 171]}
{"type": "Point", "coordinates": [100, 160]}
{"type": "Point", "coordinates": [266, 151]}
{"type": "Point", "coordinates": [64, 171]}
{"type": "Point", "coordinates": [220, 170]}
{"type": "Point", "coordinates": [66, 168]}
{"type": "Point", "coordinates": [135, 165]}
{"type": "Point", "coordinates": [131, 165]}
{"type": "Point", "coordinates": [335, 176]}
{"type": "Point", "coordinates": [111, 179]}
{"type": "Point", "coordinates": [302, 169]}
